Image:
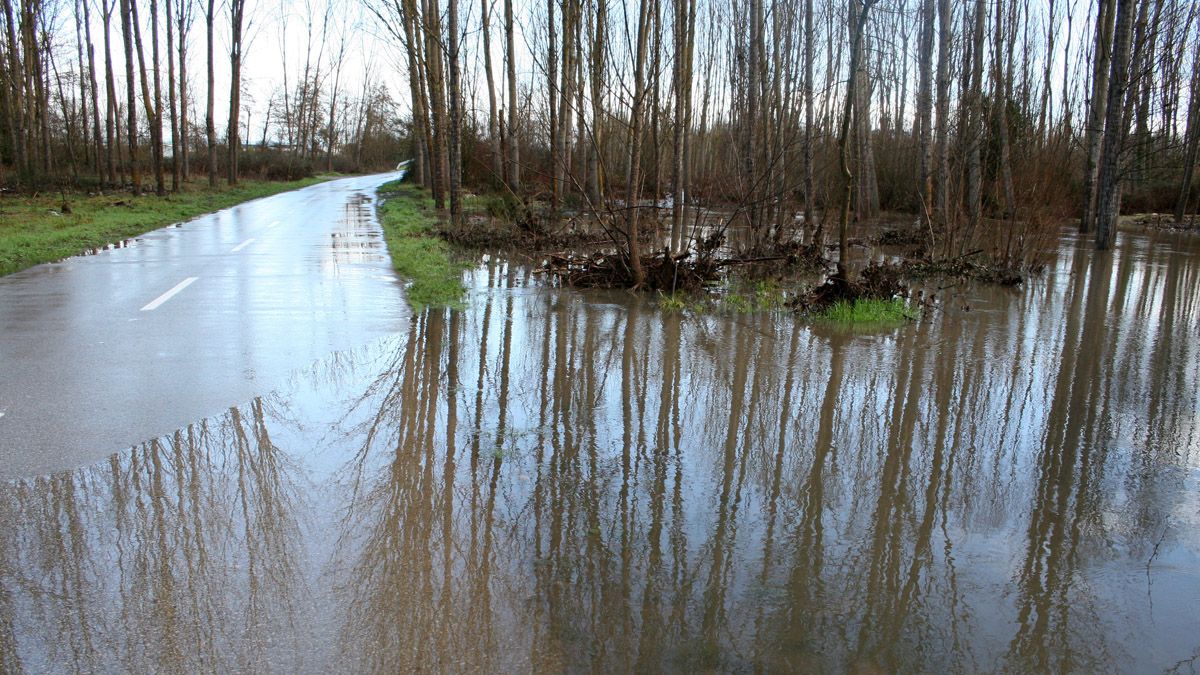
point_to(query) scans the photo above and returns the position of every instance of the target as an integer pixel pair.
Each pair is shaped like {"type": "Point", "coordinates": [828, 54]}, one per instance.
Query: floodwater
{"type": "Point", "coordinates": [561, 481]}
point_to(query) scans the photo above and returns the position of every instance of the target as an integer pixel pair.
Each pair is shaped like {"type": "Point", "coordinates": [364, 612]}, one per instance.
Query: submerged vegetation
{"type": "Point", "coordinates": [418, 254]}
{"type": "Point", "coordinates": [49, 227]}
{"type": "Point", "coordinates": [868, 311]}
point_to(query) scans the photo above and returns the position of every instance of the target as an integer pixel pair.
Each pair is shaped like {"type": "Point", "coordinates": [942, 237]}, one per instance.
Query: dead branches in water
{"type": "Point", "coordinates": [663, 272]}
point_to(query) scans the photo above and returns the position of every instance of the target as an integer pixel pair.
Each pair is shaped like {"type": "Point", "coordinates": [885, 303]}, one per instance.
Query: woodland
{"type": "Point", "coordinates": [983, 126]}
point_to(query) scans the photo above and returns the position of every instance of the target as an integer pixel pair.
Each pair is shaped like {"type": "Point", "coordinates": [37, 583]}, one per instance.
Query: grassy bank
{"type": "Point", "coordinates": [39, 229]}
{"type": "Point", "coordinates": [409, 226]}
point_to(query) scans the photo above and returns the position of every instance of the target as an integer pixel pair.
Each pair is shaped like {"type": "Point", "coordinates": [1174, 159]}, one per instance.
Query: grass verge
{"type": "Point", "coordinates": [409, 227]}
{"type": "Point", "coordinates": [877, 312]}
{"type": "Point", "coordinates": [35, 230]}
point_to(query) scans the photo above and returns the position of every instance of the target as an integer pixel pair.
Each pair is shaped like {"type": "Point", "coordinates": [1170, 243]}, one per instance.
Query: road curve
{"type": "Point", "coordinates": [101, 352]}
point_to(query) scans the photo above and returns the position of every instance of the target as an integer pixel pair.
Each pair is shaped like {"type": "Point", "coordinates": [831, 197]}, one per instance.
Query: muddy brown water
{"type": "Point", "coordinates": [561, 481]}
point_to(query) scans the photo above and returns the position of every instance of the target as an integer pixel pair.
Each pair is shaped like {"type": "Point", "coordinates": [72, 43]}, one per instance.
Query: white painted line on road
{"type": "Point", "coordinates": [273, 224]}
{"type": "Point", "coordinates": [169, 294]}
{"type": "Point", "coordinates": [243, 245]}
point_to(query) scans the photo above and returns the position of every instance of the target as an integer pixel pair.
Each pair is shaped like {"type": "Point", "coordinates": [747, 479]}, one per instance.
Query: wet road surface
{"type": "Point", "coordinates": [557, 481]}
{"type": "Point", "coordinates": [102, 352]}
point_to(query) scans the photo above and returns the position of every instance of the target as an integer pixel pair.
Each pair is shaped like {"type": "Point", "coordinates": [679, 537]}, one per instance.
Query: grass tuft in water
{"type": "Point", "coordinates": [409, 227]}
{"type": "Point", "coordinates": [871, 311]}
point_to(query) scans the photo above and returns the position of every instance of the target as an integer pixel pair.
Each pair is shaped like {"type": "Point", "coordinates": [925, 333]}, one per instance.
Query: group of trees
{"type": "Point", "coordinates": [791, 114]}
{"type": "Point", "coordinates": [57, 117]}
{"type": "Point", "coordinates": [965, 112]}
{"type": "Point", "coordinates": [96, 91]}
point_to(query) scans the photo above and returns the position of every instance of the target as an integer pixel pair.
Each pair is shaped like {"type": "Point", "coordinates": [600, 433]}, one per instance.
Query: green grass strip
{"type": "Point", "coordinates": [35, 230]}
{"type": "Point", "coordinates": [409, 227]}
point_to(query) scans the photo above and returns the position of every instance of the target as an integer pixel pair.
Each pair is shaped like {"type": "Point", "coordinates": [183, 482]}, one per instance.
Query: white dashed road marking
{"type": "Point", "coordinates": [154, 304]}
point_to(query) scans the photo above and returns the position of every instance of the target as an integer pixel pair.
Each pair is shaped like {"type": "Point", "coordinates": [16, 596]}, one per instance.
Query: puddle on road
{"type": "Point", "coordinates": [559, 481]}
{"type": "Point", "coordinates": [356, 237]}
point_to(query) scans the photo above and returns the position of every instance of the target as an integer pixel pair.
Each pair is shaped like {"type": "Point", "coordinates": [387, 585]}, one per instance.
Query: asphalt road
{"type": "Point", "coordinates": [101, 352]}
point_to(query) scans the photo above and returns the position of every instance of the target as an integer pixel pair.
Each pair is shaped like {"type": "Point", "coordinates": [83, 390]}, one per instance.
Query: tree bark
{"type": "Point", "coordinates": [684, 22]}
{"type": "Point", "coordinates": [634, 170]}
{"type": "Point", "coordinates": [111, 126]}
{"type": "Point", "coordinates": [455, 120]}
{"type": "Point", "coordinates": [493, 124]}
{"type": "Point", "coordinates": [975, 128]}
{"type": "Point", "coordinates": [514, 146]}
{"type": "Point", "coordinates": [184, 22]}
{"type": "Point", "coordinates": [809, 181]}
{"type": "Point", "coordinates": [1191, 141]}
{"type": "Point", "coordinates": [233, 137]}
{"type": "Point", "coordinates": [924, 121]}
{"type": "Point", "coordinates": [943, 112]}
{"type": "Point", "coordinates": [1115, 130]}
{"type": "Point", "coordinates": [859, 10]}
{"type": "Point", "coordinates": [172, 101]}
{"type": "Point", "coordinates": [1101, 67]}
{"type": "Point", "coordinates": [210, 122]}
{"type": "Point", "coordinates": [135, 172]}
{"type": "Point", "coordinates": [596, 146]}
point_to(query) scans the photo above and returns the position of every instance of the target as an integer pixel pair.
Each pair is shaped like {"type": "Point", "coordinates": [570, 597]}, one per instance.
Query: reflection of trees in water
{"type": "Point", "coordinates": [177, 554]}
{"type": "Point", "coordinates": [602, 485]}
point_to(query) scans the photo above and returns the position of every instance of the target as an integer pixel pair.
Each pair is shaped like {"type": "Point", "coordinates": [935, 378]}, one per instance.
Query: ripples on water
{"type": "Point", "coordinates": [561, 481]}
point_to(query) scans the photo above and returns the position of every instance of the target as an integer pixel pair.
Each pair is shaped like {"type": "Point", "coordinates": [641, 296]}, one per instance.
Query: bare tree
{"type": "Point", "coordinates": [514, 149]}
{"type": "Point", "coordinates": [210, 123]}
{"type": "Point", "coordinates": [634, 166]}
{"type": "Point", "coordinates": [1115, 128]}
{"type": "Point", "coordinates": [859, 11]}
{"type": "Point", "coordinates": [237, 13]}
{"type": "Point", "coordinates": [135, 173]}
{"type": "Point", "coordinates": [1096, 109]}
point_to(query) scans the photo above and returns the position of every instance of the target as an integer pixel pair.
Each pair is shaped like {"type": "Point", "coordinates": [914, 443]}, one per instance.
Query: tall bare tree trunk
{"type": "Point", "coordinates": [83, 87]}
{"type": "Point", "coordinates": [183, 23]}
{"type": "Point", "coordinates": [943, 112]}
{"type": "Point", "coordinates": [135, 172]}
{"type": "Point", "coordinates": [924, 122]}
{"type": "Point", "coordinates": [111, 125]}
{"type": "Point", "coordinates": [1115, 129]}
{"type": "Point", "coordinates": [552, 103]}
{"type": "Point", "coordinates": [210, 122]}
{"type": "Point", "coordinates": [809, 181]}
{"type": "Point", "coordinates": [17, 118]}
{"type": "Point", "coordinates": [434, 59]}
{"type": "Point", "coordinates": [149, 100]}
{"type": "Point", "coordinates": [1101, 67]}
{"type": "Point", "coordinates": [859, 10]}
{"type": "Point", "coordinates": [237, 10]}
{"type": "Point", "coordinates": [634, 169]}
{"type": "Point", "coordinates": [174, 109]}
{"type": "Point", "coordinates": [685, 12]}
{"type": "Point", "coordinates": [596, 147]}
{"type": "Point", "coordinates": [455, 120]}
{"type": "Point", "coordinates": [1191, 141]}
{"type": "Point", "coordinates": [1002, 94]}
{"type": "Point", "coordinates": [514, 146]}
{"type": "Point", "coordinates": [570, 13]}
{"type": "Point", "coordinates": [753, 143]}
{"type": "Point", "coordinates": [420, 108]}
{"type": "Point", "coordinates": [100, 147]}
{"type": "Point", "coordinates": [493, 125]}
{"type": "Point", "coordinates": [974, 129]}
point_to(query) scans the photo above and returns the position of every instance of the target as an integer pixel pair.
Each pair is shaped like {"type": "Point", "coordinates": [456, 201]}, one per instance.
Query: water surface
{"type": "Point", "coordinates": [553, 480]}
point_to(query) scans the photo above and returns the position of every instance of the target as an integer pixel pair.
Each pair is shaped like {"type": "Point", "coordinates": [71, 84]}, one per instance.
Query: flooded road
{"type": "Point", "coordinates": [102, 351]}
{"type": "Point", "coordinates": [559, 481]}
